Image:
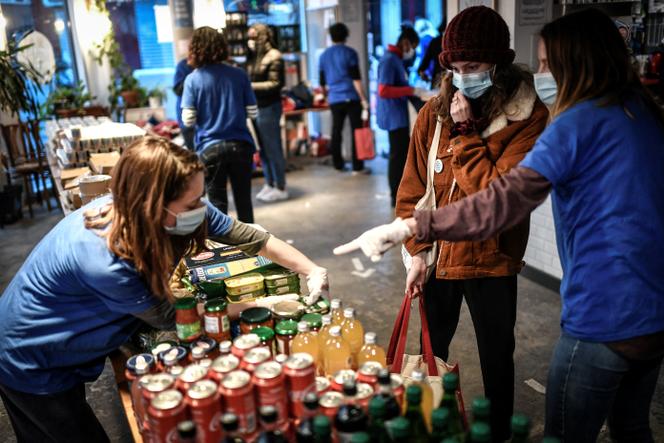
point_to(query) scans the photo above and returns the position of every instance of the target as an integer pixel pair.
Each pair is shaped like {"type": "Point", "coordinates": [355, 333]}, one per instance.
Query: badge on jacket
{"type": "Point", "coordinates": [438, 166]}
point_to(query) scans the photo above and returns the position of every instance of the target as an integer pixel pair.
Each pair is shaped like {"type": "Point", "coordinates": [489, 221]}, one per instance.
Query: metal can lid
{"type": "Point", "coordinates": [397, 380]}
{"type": "Point", "coordinates": [331, 399]}
{"type": "Point", "coordinates": [281, 358]}
{"type": "Point", "coordinates": [255, 315]}
{"type": "Point", "coordinates": [176, 370]}
{"type": "Point", "coordinates": [185, 303]}
{"type": "Point", "coordinates": [225, 363]}
{"type": "Point", "coordinates": [288, 308]}
{"type": "Point", "coordinates": [364, 390]}
{"type": "Point", "coordinates": [215, 305]}
{"type": "Point", "coordinates": [140, 363]}
{"type": "Point", "coordinates": [370, 368]}
{"type": "Point", "coordinates": [340, 377]}
{"type": "Point", "coordinates": [268, 370]}
{"type": "Point", "coordinates": [299, 360]}
{"type": "Point", "coordinates": [286, 327]}
{"type": "Point", "coordinates": [159, 382]}
{"type": "Point", "coordinates": [322, 383]}
{"type": "Point", "coordinates": [264, 333]}
{"type": "Point", "coordinates": [315, 321]}
{"type": "Point", "coordinates": [205, 362]}
{"type": "Point", "coordinates": [193, 373]}
{"type": "Point", "coordinates": [202, 389]}
{"type": "Point", "coordinates": [247, 341]}
{"type": "Point", "coordinates": [257, 355]}
{"type": "Point", "coordinates": [168, 399]}
{"type": "Point", "coordinates": [161, 347]}
{"type": "Point", "coordinates": [236, 380]}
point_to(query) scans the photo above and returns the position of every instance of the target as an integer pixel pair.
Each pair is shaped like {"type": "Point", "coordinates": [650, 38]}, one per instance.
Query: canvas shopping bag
{"type": "Point", "coordinates": [404, 364]}
{"type": "Point", "coordinates": [364, 143]}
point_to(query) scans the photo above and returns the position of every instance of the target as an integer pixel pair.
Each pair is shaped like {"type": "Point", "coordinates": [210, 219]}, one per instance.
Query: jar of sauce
{"type": "Point", "coordinates": [267, 337]}
{"type": "Point", "coordinates": [286, 331]}
{"type": "Point", "coordinates": [315, 321]}
{"type": "Point", "coordinates": [187, 322]}
{"type": "Point", "coordinates": [253, 318]}
{"type": "Point", "coordinates": [216, 321]}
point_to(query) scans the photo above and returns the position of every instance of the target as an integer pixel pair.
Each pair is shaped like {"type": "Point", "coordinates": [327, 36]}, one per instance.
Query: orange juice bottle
{"type": "Point", "coordinates": [353, 332]}
{"type": "Point", "coordinates": [324, 334]}
{"type": "Point", "coordinates": [305, 341]}
{"type": "Point", "coordinates": [371, 351]}
{"type": "Point", "coordinates": [427, 396]}
{"type": "Point", "coordinates": [337, 312]}
{"type": "Point", "coordinates": [336, 353]}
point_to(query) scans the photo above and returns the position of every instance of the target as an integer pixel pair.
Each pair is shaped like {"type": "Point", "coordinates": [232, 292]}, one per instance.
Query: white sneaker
{"type": "Point", "coordinates": [264, 191]}
{"type": "Point", "coordinates": [275, 195]}
{"type": "Point", "coordinates": [365, 171]}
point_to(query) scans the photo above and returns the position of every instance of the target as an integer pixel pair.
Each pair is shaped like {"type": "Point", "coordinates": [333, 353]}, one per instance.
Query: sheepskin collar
{"type": "Point", "coordinates": [519, 108]}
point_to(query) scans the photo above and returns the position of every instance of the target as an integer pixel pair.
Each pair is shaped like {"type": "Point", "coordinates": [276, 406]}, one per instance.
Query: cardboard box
{"type": "Point", "coordinates": [103, 163]}
{"type": "Point", "coordinates": [93, 185]}
{"type": "Point", "coordinates": [221, 263]}
{"type": "Point", "coordinates": [68, 176]}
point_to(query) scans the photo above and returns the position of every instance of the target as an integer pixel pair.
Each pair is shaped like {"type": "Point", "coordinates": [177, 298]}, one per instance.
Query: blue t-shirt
{"type": "Point", "coordinates": [607, 171]}
{"type": "Point", "coordinates": [392, 113]}
{"type": "Point", "coordinates": [336, 62]}
{"type": "Point", "coordinates": [220, 94]}
{"type": "Point", "coordinates": [70, 305]}
{"type": "Point", "coordinates": [182, 70]}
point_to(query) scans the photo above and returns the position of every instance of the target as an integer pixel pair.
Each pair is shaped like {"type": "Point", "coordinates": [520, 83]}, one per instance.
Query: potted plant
{"type": "Point", "coordinates": [67, 101]}
{"type": "Point", "coordinates": [156, 96]}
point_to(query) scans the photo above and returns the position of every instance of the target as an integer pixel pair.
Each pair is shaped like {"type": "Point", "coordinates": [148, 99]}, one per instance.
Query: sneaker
{"type": "Point", "coordinates": [365, 171]}
{"type": "Point", "coordinates": [264, 191]}
{"type": "Point", "coordinates": [275, 195]}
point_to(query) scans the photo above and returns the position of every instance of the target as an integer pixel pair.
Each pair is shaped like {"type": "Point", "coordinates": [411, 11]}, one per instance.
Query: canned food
{"type": "Point", "coordinates": [281, 358]}
{"type": "Point", "coordinates": [280, 278]}
{"type": "Point", "coordinates": [222, 366]}
{"type": "Point", "coordinates": [283, 290]}
{"type": "Point", "coordinates": [238, 396]}
{"type": "Point", "coordinates": [253, 318]}
{"type": "Point", "coordinates": [255, 357]}
{"type": "Point", "coordinates": [204, 402]}
{"type": "Point", "coordinates": [368, 373]}
{"type": "Point", "coordinates": [153, 384]}
{"type": "Point", "coordinates": [190, 375]}
{"type": "Point", "coordinates": [322, 385]}
{"type": "Point", "coordinates": [329, 404]}
{"type": "Point", "coordinates": [244, 283]}
{"type": "Point", "coordinates": [243, 343]}
{"type": "Point", "coordinates": [364, 393]}
{"type": "Point", "coordinates": [271, 390]}
{"type": "Point", "coordinates": [244, 298]}
{"type": "Point", "coordinates": [166, 410]}
{"type": "Point", "coordinates": [288, 310]}
{"type": "Point", "coordinates": [300, 373]}
{"type": "Point", "coordinates": [338, 380]}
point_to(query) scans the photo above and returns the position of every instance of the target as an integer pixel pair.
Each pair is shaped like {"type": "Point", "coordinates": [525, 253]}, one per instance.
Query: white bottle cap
{"type": "Point", "coordinates": [198, 352]}
{"type": "Point", "coordinates": [335, 331]}
{"type": "Point", "coordinates": [349, 313]}
{"type": "Point", "coordinates": [370, 338]}
{"type": "Point", "coordinates": [225, 346]}
{"type": "Point", "coordinates": [327, 319]}
{"type": "Point", "coordinates": [303, 326]}
{"type": "Point", "coordinates": [335, 303]}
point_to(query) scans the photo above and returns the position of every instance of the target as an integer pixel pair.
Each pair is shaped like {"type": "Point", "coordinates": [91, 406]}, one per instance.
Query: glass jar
{"type": "Point", "coordinates": [253, 318]}
{"type": "Point", "coordinates": [315, 321]}
{"type": "Point", "coordinates": [217, 323]}
{"type": "Point", "coordinates": [286, 331]}
{"type": "Point", "coordinates": [187, 322]}
{"type": "Point", "coordinates": [267, 337]}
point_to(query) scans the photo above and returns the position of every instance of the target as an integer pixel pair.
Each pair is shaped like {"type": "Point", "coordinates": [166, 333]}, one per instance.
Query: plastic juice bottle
{"type": "Point", "coordinates": [337, 312]}
{"type": "Point", "coordinates": [353, 332]}
{"type": "Point", "coordinates": [324, 335]}
{"type": "Point", "coordinates": [427, 397]}
{"type": "Point", "coordinates": [337, 354]}
{"type": "Point", "coordinates": [371, 351]}
{"type": "Point", "coordinates": [305, 341]}
{"type": "Point", "coordinates": [449, 401]}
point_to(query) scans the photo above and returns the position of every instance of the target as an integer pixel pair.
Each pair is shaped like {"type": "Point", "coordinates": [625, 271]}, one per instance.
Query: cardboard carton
{"type": "Point", "coordinates": [221, 263]}
{"type": "Point", "coordinates": [68, 176]}
{"type": "Point", "coordinates": [103, 163]}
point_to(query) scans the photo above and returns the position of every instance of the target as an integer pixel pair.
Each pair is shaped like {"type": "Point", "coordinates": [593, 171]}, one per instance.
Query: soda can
{"type": "Point", "coordinates": [204, 402]}
{"type": "Point", "coordinates": [281, 358]}
{"type": "Point", "coordinates": [364, 393]}
{"type": "Point", "coordinates": [337, 383]}
{"type": "Point", "coordinates": [190, 375]}
{"type": "Point", "coordinates": [222, 366]}
{"type": "Point", "coordinates": [237, 394]}
{"type": "Point", "coordinates": [255, 357]}
{"type": "Point", "coordinates": [368, 373]}
{"type": "Point", "coordinates": [153, 384]}
{"type": "Point", "coordinates": [270, 386]}
{"type": "Point", "coordinates": [243, 343]}
{"type": "Point", "coordinates": [166, 410]}
{"type": "Point", "coordinates": [300, 373]}
{"type": "Point", "coordinates": [398, 388]}
{"type": "Point", "coordinates": [322, 385]}
{"type": "Point", "coordinates": [329, 404]}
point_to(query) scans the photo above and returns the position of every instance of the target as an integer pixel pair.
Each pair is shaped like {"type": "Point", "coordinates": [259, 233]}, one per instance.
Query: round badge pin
{"type": "Point", "coordinates": [438, 166]}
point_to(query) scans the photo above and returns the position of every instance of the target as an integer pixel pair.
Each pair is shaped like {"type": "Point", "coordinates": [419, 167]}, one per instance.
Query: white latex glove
{"type": "Point", "coordinates": [270, 301]}
{"type": "Point", "coordinates": [376, 241]}
{"type": "Point", "coordinates": [365, 115]}
{"type": "Point", "coordinates": [318, 286]}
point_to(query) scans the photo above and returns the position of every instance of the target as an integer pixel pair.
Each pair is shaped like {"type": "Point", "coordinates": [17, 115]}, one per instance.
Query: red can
{"type": "Point", "coordinates": [190, 375]}
{"type": "Point", "coordinates": [368, 373]}
{"type": "Point", "coordinates": [255, 357]}
{"type": "Point", "coordinates": [243, 343]}
{"type": "Point", "coordinates": [281, 358]}
{"type": "Point", "coordinates": [166, 410]}
{"type": "Point", "coordinates": [138, 366]}
{"type": "Point", "coordinates": [329, 404]}
{"type": "Point", "coordinates": [300, 373]}
{"type": "Point", "coordinates": [398, 388]}
{"type": "Point", "coordinates": [153, 384]}
{"type": "Point", "coordinates": [364, 393]}
{"type": "Point", "coordinates": [204, 403]}
{"type": "Point", "coordinates": [237, 393]}
{"type": "Point", "coordinates": [222, 366]}
{"type": "Point", "coordinates": [270, 386]}
{"type": "Point", "coordinates": [322, 385]}
{"type": "Point", "coordinates": [337, 383]}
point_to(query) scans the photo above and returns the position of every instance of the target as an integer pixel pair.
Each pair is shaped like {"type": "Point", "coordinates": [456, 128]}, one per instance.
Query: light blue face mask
{"type": "Point", "coordinates": [473, 85]}
{"type": "Point", "coordinates": [186, 222]}
{"type": "Point", "coordinates": [546, 88]}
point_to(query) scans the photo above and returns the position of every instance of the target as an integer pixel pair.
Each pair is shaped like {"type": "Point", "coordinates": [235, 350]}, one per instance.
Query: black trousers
{"type": "Point", "coordinates": [230, 160]}
{"type": "Point", "coordinates": [352, 109]}
{"type": "Point", "coordinates": [62, 417]}
{"type": "Point", "coordinates": [492, 305]}
{"type": "Point", "coordinates": [399, 140]}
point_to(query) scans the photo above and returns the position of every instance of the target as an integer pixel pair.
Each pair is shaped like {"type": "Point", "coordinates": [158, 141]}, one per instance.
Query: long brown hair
{"type": "Point", "coordinates": [150, 174]}
{"type": "Point", "coordinates": [208, 46]}
{"type": "Point", "coordinates": [589, 60]}
{"type": "Point", "coordinates": [506, 82]}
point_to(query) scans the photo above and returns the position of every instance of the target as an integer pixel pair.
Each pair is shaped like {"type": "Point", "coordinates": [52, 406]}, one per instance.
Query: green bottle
{"type": "Point", "coordinates": [400, 429]}
{"type": "Point", "coordinates": [520, 428]}
{"type": "Point", "coordinates": [449, 401]}
{"type": "Point", "coordinates": [418, 429]}
{"type": "Point", "coordinates": [322, 429]}
{"type": "Point", "coordinates": [481, 408]}
{"type": "Point", "coordinates": [550, 440]}
{"type": "Point", "coordinates": [480, 433]}
{"type": "Point", "coordinates": [440, 418]}
{"type": "Point", "coordinates": [360, 437]}
{"type": "Point", "coordinates": [377, 413]}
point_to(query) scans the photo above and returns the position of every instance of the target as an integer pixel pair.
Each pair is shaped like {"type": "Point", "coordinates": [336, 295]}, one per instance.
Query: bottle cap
{"type": "Point", "coordinates": [322, 426]}
{"type": "Point", "coordinates": [370, 338]}
{"type": "Point", "coordinates": [414, 394]}
{"type": "Point", "coordinates": [349, 313]}
{"type": "Point", "coordinates": [360, 437]}
{"type": "Point", "coordinates": [286, 327]}
{"type": "Point", "coordinates": [481, 408]}
{"type": "Point", "coordinates": [197, 352]}
{"type": "Point", "coordinates": [440, 417]}
{"type": "Point", "coordinates": [311, 401]}
{"type": "Point", "coordinates": [450, 382]}
{"type": "Point", "coordinates": [400, 427]}
{"type": "Point", "coordinates": [417, 375]}
{"type": "Point", "coordinates": [229, 422]}
{"type": "Point", "coordinates": [187, 429]}
{"type": "Point", "coordinates": [350, 388]}
{"type": "Point", "coordinates": [303, 326]}
{"type": "Point", "coordinates": [315, 321]}
{"type": "Point", "coordinates": [268, 414]}
{"type": "Point", "coordinates": [384, 377]}
{"type": "Point", "coordinates": [225, 347]}
{"type": "Point", "coordinates": [520, 424]}
{"type": "Point", "coordinates": [377, 407]}
{"type": "Point", "coordinates": [480, 433]}
{"type": "Point", "coordinates": [327, 319]}
{"type": "Point", "coordinates": [335, 303]}
{"type": "Point", "coordinates": [335, 331]}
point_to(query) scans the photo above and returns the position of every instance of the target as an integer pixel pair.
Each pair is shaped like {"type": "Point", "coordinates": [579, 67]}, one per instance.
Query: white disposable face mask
{"type": "Point", "coordinates": [546, 87]}
{"type": "Point", "coordinates": [186, 222]}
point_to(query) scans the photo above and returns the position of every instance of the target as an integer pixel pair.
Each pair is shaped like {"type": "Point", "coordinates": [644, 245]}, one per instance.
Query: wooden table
{"type": "Point", "coordinates": [118, 359]}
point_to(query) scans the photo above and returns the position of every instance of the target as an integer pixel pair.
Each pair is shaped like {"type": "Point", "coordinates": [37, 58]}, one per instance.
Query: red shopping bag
{"type": "Point", "coordinates": [433, 367]}
{"type": "Point", "coordinates": [364, 143]}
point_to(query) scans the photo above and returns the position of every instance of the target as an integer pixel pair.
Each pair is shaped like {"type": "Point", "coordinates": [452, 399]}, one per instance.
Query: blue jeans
{"type": "Point", "coordinates": [589, 383]}
{"type": "Point", "coordinates": [272, 154]}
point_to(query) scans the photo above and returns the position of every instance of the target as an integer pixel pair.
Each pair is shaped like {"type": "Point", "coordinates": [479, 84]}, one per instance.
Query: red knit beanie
{"type": "Point", "coordinates": [477, 34]}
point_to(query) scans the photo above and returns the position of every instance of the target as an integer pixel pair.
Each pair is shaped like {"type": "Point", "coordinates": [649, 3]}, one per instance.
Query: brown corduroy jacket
{"type": "Point", "coordinates": [469, 164]}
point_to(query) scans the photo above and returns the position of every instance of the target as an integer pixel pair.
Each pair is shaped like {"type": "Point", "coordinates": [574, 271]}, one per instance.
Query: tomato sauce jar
{"type": "Point", "coordinates": [187, 322]}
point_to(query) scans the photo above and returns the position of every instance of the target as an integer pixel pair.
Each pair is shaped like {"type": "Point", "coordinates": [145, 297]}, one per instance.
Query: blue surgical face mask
{"type": "Point", "coordinates": [473, 85]}
{"type": "Point", "coordinates": [546, 88]}
{"type": "Point", "coordinates": [186, 222]}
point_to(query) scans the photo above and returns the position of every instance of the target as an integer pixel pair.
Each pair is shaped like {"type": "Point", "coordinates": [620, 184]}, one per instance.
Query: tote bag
{"type": "Point", "coordinates": [364, 143]}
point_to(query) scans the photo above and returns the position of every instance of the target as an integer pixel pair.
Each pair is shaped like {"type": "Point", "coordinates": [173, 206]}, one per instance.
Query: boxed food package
{"type": "Point", "coordinates": [68, 176]}
{"type": "Point", "coordinates": [94, 184]}
{"type": "Point", "coordinates": [103, 163]}
{"type": "Point", "coordinates": [221, 263]}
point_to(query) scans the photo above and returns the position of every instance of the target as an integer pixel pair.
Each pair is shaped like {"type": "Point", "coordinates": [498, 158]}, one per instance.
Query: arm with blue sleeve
{"type": "Point", "coordinates": [189, 102]}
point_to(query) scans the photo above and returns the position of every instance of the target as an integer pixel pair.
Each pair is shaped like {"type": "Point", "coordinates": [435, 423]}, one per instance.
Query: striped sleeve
{"type": "Point", "coordinates": [252, 111]}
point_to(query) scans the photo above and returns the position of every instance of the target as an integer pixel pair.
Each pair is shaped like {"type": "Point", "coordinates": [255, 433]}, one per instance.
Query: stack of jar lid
{"type": "Point", "coordinates": [245, 287]}
{"type": "Point", "coordinates": [282, 281]}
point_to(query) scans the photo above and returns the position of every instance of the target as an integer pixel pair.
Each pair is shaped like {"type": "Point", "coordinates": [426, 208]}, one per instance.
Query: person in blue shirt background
{"type": "Point", "coordinates": [339, 74]}
{"type": "Point", "coordinates": [217, 100]}
{"type": "Point", "coordinates": [182, 70]}
{"type": "Point", "coordinates": [392, 103]}
{"type": "Point", "coordinates": [91, 281]}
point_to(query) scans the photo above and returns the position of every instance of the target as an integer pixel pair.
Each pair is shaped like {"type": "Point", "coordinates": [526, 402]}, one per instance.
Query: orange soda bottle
{"type": "Point", "coordinates": [337, 312]}
{"type": "Point", "coordinates": [337, 354]}
{"type": "Point", "coordinates": [324, 335]}
{"type": "Point", "coordinates": [371, 351]}
{"type": "Point", "coordinates": [305, 341]}
{"type": "Point", "coordinates": [353, 332]}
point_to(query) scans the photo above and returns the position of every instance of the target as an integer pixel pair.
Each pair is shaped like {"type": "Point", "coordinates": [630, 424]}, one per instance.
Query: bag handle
{"type": "Point", "coordinates": [396, 331]}
{"type": "Point", "coordinates": [433, 151]}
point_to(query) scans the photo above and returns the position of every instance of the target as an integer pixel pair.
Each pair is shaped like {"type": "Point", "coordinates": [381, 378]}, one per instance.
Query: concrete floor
{"type": "Point", "coordinates": [328, 208]}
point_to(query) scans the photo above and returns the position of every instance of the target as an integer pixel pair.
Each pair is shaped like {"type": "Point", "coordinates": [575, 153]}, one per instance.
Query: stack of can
{"type": "Point", "coordinates": [280, 282]}
{"type": "Point", "coordinates": [245, 287]}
